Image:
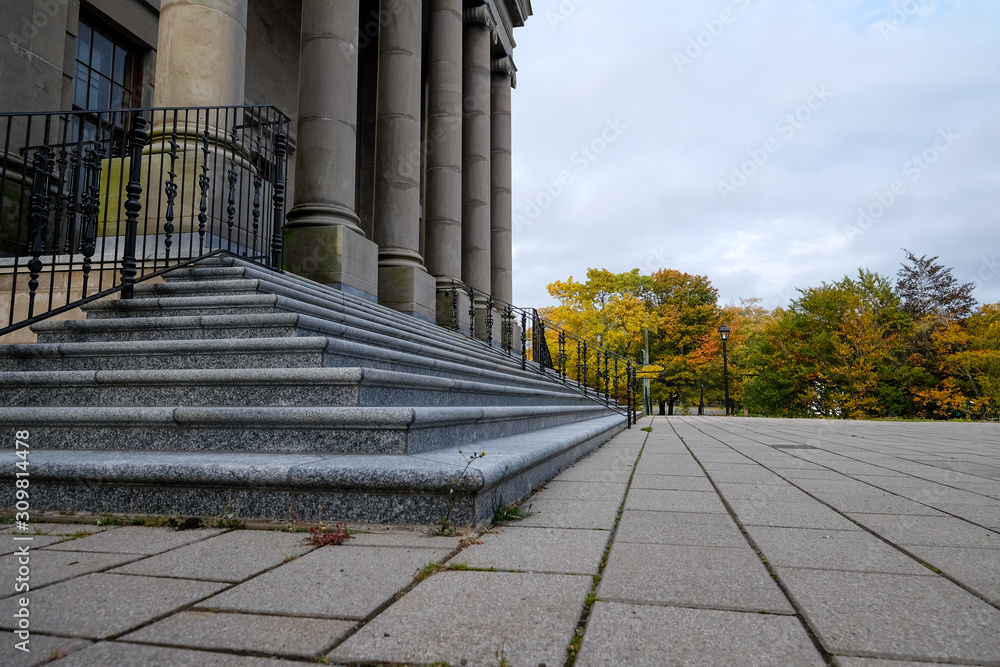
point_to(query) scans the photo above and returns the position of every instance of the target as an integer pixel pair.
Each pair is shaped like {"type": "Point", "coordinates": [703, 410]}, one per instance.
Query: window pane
{"type": "Point", "coordinates": [83, 44]}
{"type": "Point", "coordinates": [80, 86]}
{"type": "Point", "coordinates": [119, 69]}
{"type": "Point", "coordinates": [103, 53]}
{"type": "Point", "coordinates": [92, 91]}
{"type": "Point", "coordinates": [103, 93]}
{"type": "Point", "coordinates": [119, 98]}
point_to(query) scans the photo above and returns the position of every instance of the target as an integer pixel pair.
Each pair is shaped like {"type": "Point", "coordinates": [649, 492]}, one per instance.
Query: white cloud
{"type": "Point", "coordinates": [651, 198]}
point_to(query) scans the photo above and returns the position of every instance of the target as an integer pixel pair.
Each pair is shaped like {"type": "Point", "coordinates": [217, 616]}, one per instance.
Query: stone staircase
{"type": "Point", "coordinates": [231, 389]}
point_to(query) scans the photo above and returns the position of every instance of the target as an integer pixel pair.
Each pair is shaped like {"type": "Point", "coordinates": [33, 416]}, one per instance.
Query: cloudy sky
{"type": "Point", "coordinates": [766, 144]}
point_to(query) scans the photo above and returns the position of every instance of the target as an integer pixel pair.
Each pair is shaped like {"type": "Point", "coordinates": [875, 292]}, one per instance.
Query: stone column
{"type": "Point", "coordinates": [323, 241]}
{"type": "Point", "coordinates": [479, 32]}
{"type": "Point", "coordinates": [443, 196]}
{"type": "Point", "coordinates": [501, 207]}
{"type": "Point", "coordinates": [201, 53]}
{"type": "Point", "coordinates": [404, 283]}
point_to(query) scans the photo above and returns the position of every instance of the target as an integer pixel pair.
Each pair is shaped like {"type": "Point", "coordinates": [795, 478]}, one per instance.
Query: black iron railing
{"type": "Point", "coordinates": [94, 201]}
{"type": "Point", "coordinates": [577, 363]}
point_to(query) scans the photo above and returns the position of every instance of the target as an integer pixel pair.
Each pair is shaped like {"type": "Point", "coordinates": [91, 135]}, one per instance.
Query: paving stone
{"type": "Point", "coordinates": [12, 544]}
{"type": "Point", "coordinates": [636, 635]}
{"type": "Point", "coordinates": [674, 501]}
{"type": "Point", "coordinates": [330, 582]}
{"type": "Point", "coordinates": [679, 528]}
{"type": "Point", "coordinates": [753, 475]}
{"type": "Point", "coordinates": [120, 654]}
{"type": "Point", "coordinates": [138, 540]}
{"type": "Point", "coordinates": [43, 649]}
{"type": "Point", "coordinates": [583, 491]}
{"type": "Point", "coordinates": [979, 569]}
{"type": "Point", "coordinates": [832, 550]}
{"type": "Point", "coordinates": [48, 566]}
{"type": "Point", "coordinates": [267, 635]}
{"type": "Point", "coordinates": [468, 617]}
{"type": "Point", "coordinates": [763, 493]}
{"type": "Point", "coordinates": [538, 550]}
{"type": "Point", "coordinates": [706, 577]}
{"type": "Point", "coordinates": [843, 661]}
{"type": "Point", "coordinates": [986, 514]}
{"type": "Point", "coordinates": [876, 503]}
{"type": "Point", "coordinates": [416, 540]}
{"type": "Point", "coordinates": [102, 605]}
{"type": "Point", "coordinates": [934, 531]}
{"type": "Point", "coordinates": [593, 514]}
{"type": "Point", "coordinates": [899, 616]}
{"type": "Point", "coordinates": [672, 482]}
{"type": "Point", "coordinates": [790, 515]}
{"type": "Point", "coordinates": [232, 557]}
{"type": "Point", "coordinates": [584, 472]}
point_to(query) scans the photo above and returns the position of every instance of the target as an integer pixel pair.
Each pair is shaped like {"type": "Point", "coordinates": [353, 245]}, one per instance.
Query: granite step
{"type": "Point", "coordinates": [250, 353]}
{"type": "Point", "coordinates": [382, 430]}
{"type": "Point", "coordinates": [342, 324]}
{"type": "Point", "coordinates": [279, 387]}
{"type": "Point", "coordinates": [415, 489]}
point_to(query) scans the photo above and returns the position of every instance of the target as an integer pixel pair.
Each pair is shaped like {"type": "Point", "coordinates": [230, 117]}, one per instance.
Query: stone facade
{"type": "Point", "coordinates": [400, 173]}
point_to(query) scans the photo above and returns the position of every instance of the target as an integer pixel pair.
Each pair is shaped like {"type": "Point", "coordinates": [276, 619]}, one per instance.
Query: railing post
{"type": "Point", "coordinates": [586, 368]}
{"type": "Point", "coordinates": [508, 317]}
{"type": "Point", "coordinates": [278, 198]}
{"type": "Point", "coordinates": [489, 321]}
{"type": "Point", "coordinates": [133, 204]}
{"type": "Point", "coordinates": [472, 312]}
{"type": "Point", "coordinates": [91, 207]}
{"type": "Point", "coordinates": [607, 378]}
{"type": "Point", "coordinates": [42, 169]}
{"type": "Point", "coordinates": [562, 355]}
{"type": "Point", "coordinates": [454, 306]}
{"type": "Point", "coordinates": [524, 339]}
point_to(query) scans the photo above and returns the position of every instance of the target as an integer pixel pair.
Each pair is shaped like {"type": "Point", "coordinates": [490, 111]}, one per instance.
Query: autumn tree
{"type": "Point", "coordinates": [836, 351]}
{"type": "Point", "coordinates": [926, 287]}
{"type": "Point", "coordinates": [686, 313]}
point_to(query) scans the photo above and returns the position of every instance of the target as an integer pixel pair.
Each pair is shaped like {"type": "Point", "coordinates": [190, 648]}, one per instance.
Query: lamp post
{"type": "Point", "coordinates": [724, 334]}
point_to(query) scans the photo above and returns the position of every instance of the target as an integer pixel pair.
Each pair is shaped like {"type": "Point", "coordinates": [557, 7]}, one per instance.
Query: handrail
{"type": "Point", "coordinates": [95, 201]}
{"type": "Point", "coordinates": [613, 380]}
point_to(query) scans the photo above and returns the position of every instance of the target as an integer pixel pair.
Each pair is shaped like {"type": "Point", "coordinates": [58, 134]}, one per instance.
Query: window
{"type": "Point", "coordinates": [107, 75]}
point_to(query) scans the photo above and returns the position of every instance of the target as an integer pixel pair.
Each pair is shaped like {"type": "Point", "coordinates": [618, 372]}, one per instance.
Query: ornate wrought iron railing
{"type": "Point", "coordinates": [95, 201]}
{"type": "Point", "coordinates": [577, 363]}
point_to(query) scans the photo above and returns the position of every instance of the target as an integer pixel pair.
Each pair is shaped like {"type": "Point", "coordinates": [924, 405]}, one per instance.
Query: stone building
{"type": "Point", "coordinates": [400, 137]}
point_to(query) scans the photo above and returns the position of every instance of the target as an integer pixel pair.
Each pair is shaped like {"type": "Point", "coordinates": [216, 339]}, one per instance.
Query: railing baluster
{"type": "Point", "coordinates": [133, 204]}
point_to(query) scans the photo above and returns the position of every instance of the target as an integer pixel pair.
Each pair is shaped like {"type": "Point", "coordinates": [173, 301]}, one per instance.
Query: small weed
{"type": "Point", "coordinates": [321, 536]}
{"type": "Point", "coordinates": [501, 654]}
{"type": "Point", "coordinates": [289, 559]}
{"type": "Point", "coordinates": [458, 485]}
{"type": "Point", "coordinates": [228, 522]}
{"type": "Point", "coordinates": [429, 569]}
{"type": "Point", "coordinates": [112, 520]}
{"type": "Point", "coordinates": [648, 429]}
{"type": "Point", "coordinates": [511, 512]}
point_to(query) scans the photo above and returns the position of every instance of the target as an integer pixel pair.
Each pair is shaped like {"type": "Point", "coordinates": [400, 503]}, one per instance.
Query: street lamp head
{"type": "Point", "coordinates": [724, 332]}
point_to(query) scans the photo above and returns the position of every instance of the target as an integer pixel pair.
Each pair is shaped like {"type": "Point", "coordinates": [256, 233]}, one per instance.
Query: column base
{"type": "Point", "coordinates": [333, 255]}
{"type": "Point", "coordinates": [409, 289]}
{"type": "Point", "coordinates": [481, 328]}
{"type": "Point", "coordinates": [446, 315]}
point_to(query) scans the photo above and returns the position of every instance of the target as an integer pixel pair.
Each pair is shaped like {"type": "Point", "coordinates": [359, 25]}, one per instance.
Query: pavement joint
{"type": "Point", "coordinates": [810, 631]}
{"type": "Point", "coordinates": [901, 548]}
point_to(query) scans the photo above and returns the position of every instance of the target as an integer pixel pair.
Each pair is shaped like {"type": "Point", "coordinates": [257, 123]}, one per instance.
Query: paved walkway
{"type": "Point", "coordinates": [707, 541]}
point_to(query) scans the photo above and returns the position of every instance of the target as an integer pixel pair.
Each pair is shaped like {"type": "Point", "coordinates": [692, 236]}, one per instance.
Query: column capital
{"type": "Point", "coordinates": [481, 14]}
{"type": "Point", "coordinates": [505, 66]}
